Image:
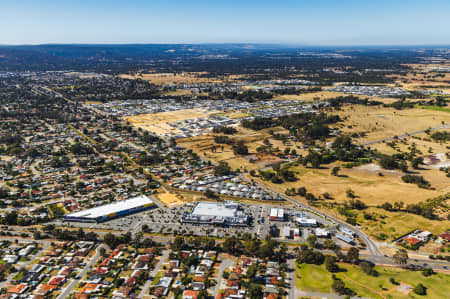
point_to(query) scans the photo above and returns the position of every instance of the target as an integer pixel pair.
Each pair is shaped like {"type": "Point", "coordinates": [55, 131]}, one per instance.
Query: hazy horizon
{"type": "Point", "coordinates": [287, 22]}
{"type": "Point", "coordinates": [281, 45]}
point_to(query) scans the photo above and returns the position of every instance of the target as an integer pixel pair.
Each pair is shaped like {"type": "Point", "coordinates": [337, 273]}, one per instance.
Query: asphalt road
{"type": "Point", "coordinates": [223, 266]}
{"type": "Point", "coordinates": [371, 246]}
{"type": "Point", "coordinates": [383, 260]}
{"type": "Point", "coordinates": [148, 283]}
{"type": "Point", "coordinates": [291, 277]}
{"type": "Point", "coordinates": [66, 292]}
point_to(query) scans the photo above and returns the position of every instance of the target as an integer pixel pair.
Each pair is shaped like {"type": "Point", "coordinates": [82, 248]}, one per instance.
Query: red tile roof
{"type": "Point", "coordinates": [191, 294]}
{"type": "Point", "coordinates": [445, 236]}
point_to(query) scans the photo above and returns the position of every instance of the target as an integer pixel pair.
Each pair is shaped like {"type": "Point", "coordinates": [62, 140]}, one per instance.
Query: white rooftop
{"type": "Point", "coordinates": [114, 207]}
{"type": "Point", "coordinates": [306, 220]}
{"type": "Point", "coordinates": [215, 209]}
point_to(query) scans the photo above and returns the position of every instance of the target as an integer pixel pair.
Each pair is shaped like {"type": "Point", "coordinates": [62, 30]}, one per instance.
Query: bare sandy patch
{"type": "Point", "coordinates": [158, 123]}
{"type": "Point", "coordinates": [170, 199]}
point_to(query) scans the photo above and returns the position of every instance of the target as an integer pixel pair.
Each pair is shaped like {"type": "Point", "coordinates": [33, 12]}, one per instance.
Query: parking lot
{"type": "Point", "coordinates": [164, 220]}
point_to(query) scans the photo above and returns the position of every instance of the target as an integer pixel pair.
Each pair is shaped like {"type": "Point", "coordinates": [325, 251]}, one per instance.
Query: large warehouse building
{"type": "Point", "coordinates": [227, 214]}
{"type": "Point", "coordinates": [112, 210]}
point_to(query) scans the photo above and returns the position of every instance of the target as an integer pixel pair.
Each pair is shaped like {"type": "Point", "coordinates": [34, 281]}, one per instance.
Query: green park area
{"type": "Point", "coordinates": [384, 284]}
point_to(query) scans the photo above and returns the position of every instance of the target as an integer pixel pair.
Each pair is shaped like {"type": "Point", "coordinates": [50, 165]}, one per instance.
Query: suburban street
{"type": "Point", "coordinates": [223, 266]}
{"type": "Point", "coordinates": [291, 276]}
{"type": "Point", "coordinates": [86, 268]}
{"type": "Point", "coordinates": [46, 245]}
{"type": "Point", "coordinates": [148, 283]}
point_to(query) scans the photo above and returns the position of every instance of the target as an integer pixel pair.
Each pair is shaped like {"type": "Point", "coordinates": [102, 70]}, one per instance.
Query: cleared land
{"type": "Point", "coordinates": [309, 97]}
{"type": "Point", "coordinates": [158, 123]}
{"type": "Point", "coordinates": [170, 199]}
{"type": "Point", "coordinates": [173, 78]}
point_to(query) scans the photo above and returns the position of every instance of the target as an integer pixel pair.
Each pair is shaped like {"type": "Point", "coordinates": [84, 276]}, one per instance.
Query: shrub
{"type": "Point", "coordinates": [420, 289]}
{"type": "Point", "coordinates": [415, 179]}
{"type": "Point", "coordinates": [428, 272]}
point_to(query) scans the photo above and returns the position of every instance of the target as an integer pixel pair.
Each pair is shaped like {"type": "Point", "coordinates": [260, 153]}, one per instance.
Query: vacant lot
{"type": "Point", "coordinates": [367, 185]}
{"type": "Point", "coordinates": [379, 122]}
{"type": "Point", "coordinates": [313, 278]}
{"type": "Point", "coordinates": [317, 279]}
{"type": "Point", "coordinates": [373, 190]}
{"type": "Point", "coordinates": [202, 145]}
{"type": "Point", "coordinates": [310, 97]}
{"type": "Point", "coordinates": [422, 142]}
{"type": "Point", "coordinates": [170, 199]}
{"type": "Point", "coordinates": [159, 122]}
{"type": "Point", "coordinates": [171, 78]}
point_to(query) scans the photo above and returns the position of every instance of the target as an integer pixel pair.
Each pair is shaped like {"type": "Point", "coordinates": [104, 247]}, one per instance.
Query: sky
{"type": "Point", "coordinates": [302, 22]}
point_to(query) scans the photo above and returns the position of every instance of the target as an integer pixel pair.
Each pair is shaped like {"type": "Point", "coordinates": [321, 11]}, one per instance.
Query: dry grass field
{"type": "Point", "coordinates": [373, 190]}
{"type": "Point", "coordinates": [423, 143]}
{"type": "Point", "coordinates": [178, 92]}
{"type": "Point", "coordinates": [368, 186]}
{"type": "Point", "coordinates": [379, 123]}
{"type": "Point", "coordinates": [202, 145]}
{"type": "Point", "coordinates": [170, 199]}
{"type": "Point", "coordinates": [420, 76]}
{"type": "Point", "coordinates": [324, 95]}
{"type": "Point", "coordinates": [159, 122]}
{"type": "Point", "coordinates": [179, 78]}
{"type": "Point", "coordinates": [93, 103]}
{"type": "Point", "coordinates": [234, 115]}
{"type": "Point", "coordinates": [310, 97]}
{"type": "Point", "coordinates": [393, 224]}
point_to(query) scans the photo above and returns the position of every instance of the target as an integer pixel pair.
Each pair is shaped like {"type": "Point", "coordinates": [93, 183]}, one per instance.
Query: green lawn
{"type": "Point", "coordinates": [317, 279]}
{"type": "Point", "coordinates": [157, 278]}
{"type": "Point", "coordinates": [438, 285]}
{"type": "Point", "coordinates": [313, 278]}
{"type": "Point", "coordinates": [437, 108]}
{"type": "Point", "coordinates": [18, 276]}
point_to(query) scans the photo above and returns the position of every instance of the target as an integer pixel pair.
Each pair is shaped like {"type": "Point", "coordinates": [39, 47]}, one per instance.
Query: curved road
{"type": "Point", "coordinates": [371, 246]}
